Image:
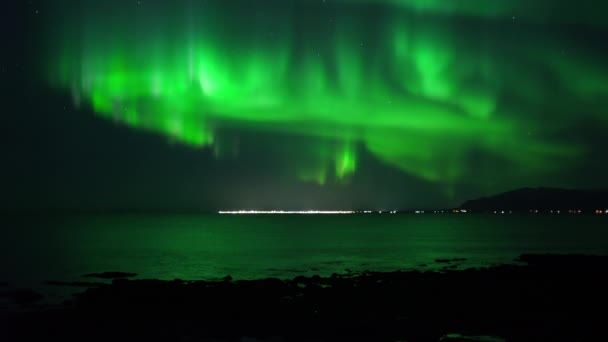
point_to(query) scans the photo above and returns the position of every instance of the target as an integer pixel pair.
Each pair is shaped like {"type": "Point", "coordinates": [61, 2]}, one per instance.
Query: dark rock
{"type": "Point", "coordinates": [23, 296]}
{"type": "Point", "coordinates": [537, 300]}
{"type": "Point", "coordinates": [110, 275]}
{"type": "Point", "coordinates": [450, 260]}
{"type": "Point", "coordinates": [73, 283]}
{"type": "Point", "coordinates": [576, 261]}
{"type": "Point", "coordinates": [119, 281]}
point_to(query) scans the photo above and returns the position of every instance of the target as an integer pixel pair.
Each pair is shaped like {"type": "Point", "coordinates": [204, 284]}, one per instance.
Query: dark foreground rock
{"type": "Point", "coordinates": [553, 298]}
{"type": "Point", "coordinates": [22, 296]}
{"type": "Point", "coordinates": [450, 260]}
{"type": "Point", "coordinates": [110, 275]}
{"type": "Point", "coordinates": [73, 283]}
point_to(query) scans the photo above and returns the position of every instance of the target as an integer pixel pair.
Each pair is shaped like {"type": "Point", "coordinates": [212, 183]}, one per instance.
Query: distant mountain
{"type": "Point", "coordinates": [542, 199]}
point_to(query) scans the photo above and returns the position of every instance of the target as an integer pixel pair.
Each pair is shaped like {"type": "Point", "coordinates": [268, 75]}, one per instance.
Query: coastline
{"type": "Point", "coordinates": [547, 297]}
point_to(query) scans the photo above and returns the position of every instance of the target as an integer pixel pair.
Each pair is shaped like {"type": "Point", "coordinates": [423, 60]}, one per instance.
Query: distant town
{"type": "Point", "coordinates": [522, 201]}
{"type": "Point", "coordinates": [359, 212]}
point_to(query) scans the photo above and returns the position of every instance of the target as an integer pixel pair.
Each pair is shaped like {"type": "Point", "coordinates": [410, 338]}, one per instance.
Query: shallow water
{"type": "Point", "coordinates": [212, 246]}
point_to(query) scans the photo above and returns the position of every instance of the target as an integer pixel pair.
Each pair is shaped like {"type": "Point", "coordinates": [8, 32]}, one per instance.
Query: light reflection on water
{"type": "Point", "coordinates": [246, 247]}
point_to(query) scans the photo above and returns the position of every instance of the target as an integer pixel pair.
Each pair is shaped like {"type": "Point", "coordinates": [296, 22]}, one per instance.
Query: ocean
{"type": "Point", "coordinates": [210, 246]}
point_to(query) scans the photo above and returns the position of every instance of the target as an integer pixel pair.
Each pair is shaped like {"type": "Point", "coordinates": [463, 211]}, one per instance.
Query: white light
{"type": "Point", "coordinates": [253, 212]}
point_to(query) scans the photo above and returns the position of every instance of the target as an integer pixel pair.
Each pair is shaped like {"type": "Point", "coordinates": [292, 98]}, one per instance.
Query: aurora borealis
{"type": "Point", "coordinates": [487, 95]}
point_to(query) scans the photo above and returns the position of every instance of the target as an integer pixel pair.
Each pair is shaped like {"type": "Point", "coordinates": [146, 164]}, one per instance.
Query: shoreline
{"type": "Point", "coordinates": [545, 297]}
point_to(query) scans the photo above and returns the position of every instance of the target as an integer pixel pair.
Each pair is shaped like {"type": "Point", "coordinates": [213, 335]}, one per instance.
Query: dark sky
{"type": "Point", "coordinates": [207, 105]}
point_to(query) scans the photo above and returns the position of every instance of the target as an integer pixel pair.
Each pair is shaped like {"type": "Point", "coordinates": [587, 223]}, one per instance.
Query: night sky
{"type": "Point", "coordinates": [299, 104]}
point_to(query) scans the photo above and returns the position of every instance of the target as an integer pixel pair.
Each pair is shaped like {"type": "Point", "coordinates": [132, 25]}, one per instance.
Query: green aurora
{"type": "Point", "coordinates": [423, 86]}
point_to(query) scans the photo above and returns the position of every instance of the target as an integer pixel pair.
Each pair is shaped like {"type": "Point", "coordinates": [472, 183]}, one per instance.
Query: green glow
{"type": "Point", "coordinates": [413, 86]}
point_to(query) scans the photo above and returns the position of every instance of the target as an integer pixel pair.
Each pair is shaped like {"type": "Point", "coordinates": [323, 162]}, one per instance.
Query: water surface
{"type": "Point", "coordinates": [254, 246]}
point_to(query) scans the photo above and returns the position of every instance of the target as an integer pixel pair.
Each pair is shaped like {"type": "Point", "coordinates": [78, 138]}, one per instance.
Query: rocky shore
{"type": "Point", "coordinates": [541, 298]}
